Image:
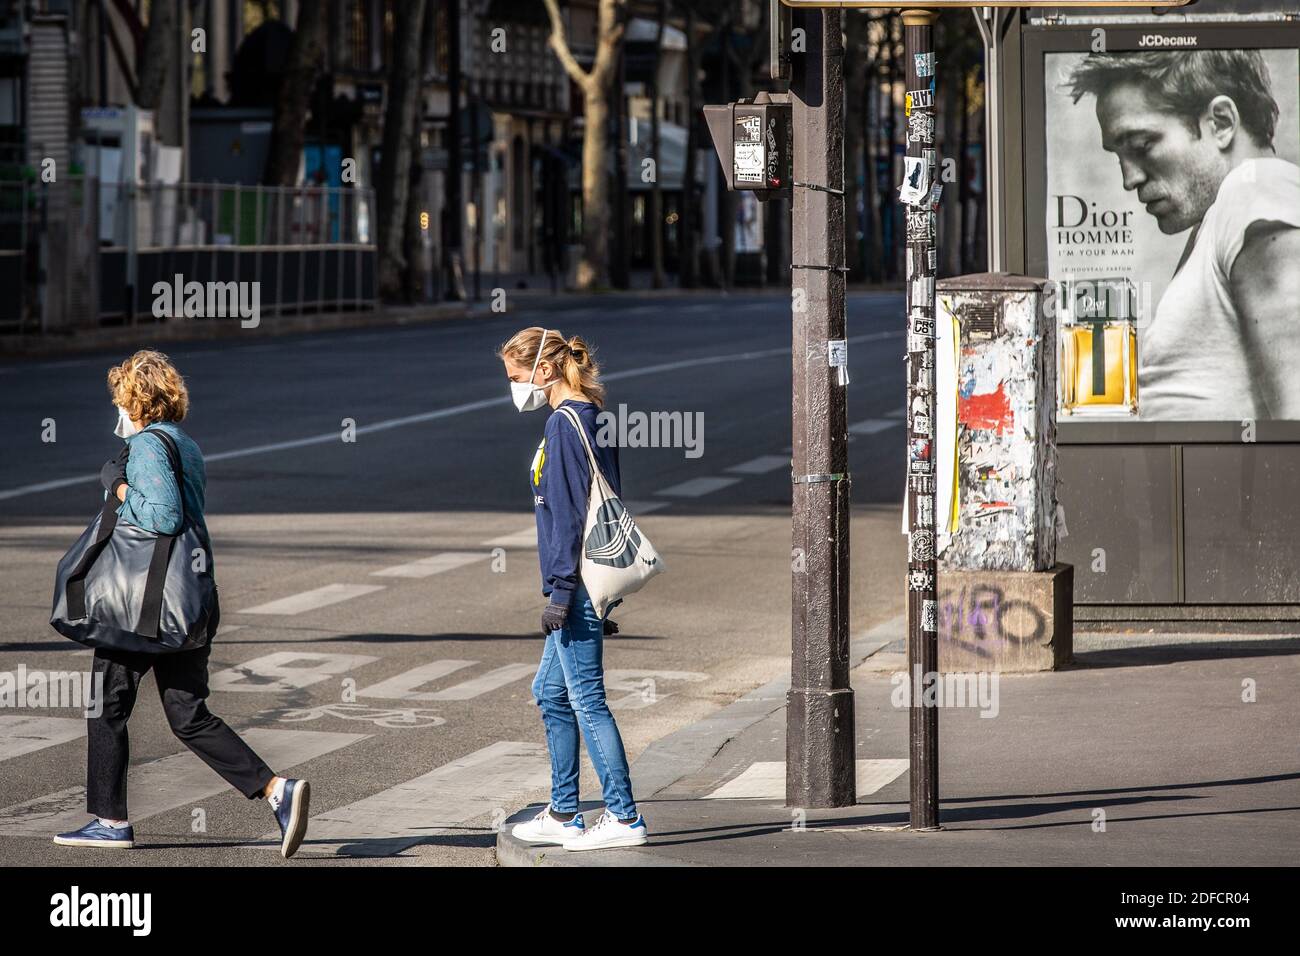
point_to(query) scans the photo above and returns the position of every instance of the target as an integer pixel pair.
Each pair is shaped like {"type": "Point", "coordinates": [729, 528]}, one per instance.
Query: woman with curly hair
{"type": "Point", "coordinates": [151, 397]}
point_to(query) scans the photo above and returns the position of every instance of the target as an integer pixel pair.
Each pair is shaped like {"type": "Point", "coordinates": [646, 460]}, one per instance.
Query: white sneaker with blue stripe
{"type": "Point", "coordinates": [545, 829]}
{"type": "Point", "coordinates": [608, 833]}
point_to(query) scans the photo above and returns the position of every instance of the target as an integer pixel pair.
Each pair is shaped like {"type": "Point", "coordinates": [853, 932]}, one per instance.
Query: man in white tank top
{"type": "Point", "coordinates": [1193, 132]}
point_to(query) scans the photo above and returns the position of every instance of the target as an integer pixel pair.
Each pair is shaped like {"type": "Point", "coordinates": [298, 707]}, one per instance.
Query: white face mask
{"type": "Point", "coordinates": [527, 396]}
{"type": "Point", "coordinates": [125, 428]}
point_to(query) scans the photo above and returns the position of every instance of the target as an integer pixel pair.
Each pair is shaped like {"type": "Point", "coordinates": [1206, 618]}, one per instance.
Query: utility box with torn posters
{"type": "Point", "coordinates": [1004, 602]}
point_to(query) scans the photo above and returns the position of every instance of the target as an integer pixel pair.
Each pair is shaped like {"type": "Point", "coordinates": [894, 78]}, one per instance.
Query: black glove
{"type": "Point", "coordinates": [114, 470]}
{"type": "Point", "coordinates": [553, 617]}
{"type": "Point", "coordinates": [610, 628]}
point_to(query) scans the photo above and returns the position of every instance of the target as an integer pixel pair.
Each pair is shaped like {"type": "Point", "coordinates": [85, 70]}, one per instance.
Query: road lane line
{"type": "Point", "coordinates": [765, 779]}
{"type": "Point", "coordinates": [24, 734]}
{"type": "Point", "coordinates": [489, 781]}
{"type": "Point", "coordinates": [872, 425]}
{"type": "Point", "coordinates": [760, 465]}
{"type": "Point", "coordinates": [402, 687]}
{"type": "Point", "coordinates": [437, 564]}
{"type": "Point", "coordinates": [314, 599]}
{"type": "Point", "coordinates": [896, 413]}
{"type": "Point", "coordinates": [168, 783]}
{"type": "Point", "coordinates": [697, 487]}
{"type": "Point", "coordinates": [490, 681]}
{"type": "Point", "coordinates": [434, 415]}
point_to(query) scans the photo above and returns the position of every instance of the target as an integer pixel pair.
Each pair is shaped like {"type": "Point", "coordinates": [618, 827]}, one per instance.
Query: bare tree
{"type": "Point", "coordinates": [155, 55]}
{"type": "Point", "coordinates": [401, 115]}
{"type": "Point", "coordinates": [593, 267]}
{"type": "Point", "coordinates": [293, 104]}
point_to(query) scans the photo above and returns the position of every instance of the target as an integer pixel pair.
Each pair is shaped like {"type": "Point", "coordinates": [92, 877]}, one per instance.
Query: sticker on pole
{"type": "Point", "coordinates": [916, 181]}
{"type": "Point", "coordinates": [924, 63]}
{"type": "Point", "coordinates": [748, 158]}
{"type": "Point", "coordinates": [837, 354]}
{"type": "Point", "coordinates": [918, 99]}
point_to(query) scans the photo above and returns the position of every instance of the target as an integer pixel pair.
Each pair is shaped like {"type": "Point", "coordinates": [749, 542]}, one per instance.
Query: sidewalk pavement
{"type": "Point", "coordinates": [1142, 753]}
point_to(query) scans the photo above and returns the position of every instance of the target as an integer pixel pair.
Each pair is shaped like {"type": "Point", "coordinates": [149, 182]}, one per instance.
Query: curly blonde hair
{"type": "Point", "coordinates": [149, 388]}
{"type": "Point", "coordinates": [571, 357]}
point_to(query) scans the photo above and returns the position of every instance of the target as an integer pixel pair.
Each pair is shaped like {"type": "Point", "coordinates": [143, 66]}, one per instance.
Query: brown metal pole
{"type": "Point", "coordinates": [922, 596]}
{"type": "Point", "coordinates": [819, 713]}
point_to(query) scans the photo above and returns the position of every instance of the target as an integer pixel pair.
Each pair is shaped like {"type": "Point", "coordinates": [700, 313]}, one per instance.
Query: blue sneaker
{"type": "Point", "coordinates": [291, 814]}
{"type": "Point", "coordinates": [95, 833]}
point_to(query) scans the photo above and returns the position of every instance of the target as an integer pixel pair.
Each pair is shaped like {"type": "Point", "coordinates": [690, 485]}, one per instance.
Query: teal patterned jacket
{"type": "Point", "coordinates": [152, 501]}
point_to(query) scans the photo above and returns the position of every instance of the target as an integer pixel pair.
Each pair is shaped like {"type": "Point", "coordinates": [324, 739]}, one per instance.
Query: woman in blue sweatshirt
{"type": "Point", "coordinates": [151, 397]}
{"type": "Point", "coordinates": [545, 368]}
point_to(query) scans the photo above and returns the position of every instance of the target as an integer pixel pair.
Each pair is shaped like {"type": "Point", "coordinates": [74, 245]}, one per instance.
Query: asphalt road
{"type": "Point", "coordinates": [380, 597]}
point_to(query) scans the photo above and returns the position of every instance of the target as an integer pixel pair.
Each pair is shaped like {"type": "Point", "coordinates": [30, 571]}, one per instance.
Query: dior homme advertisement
{"type": "Point", "coordinates": [1173, 203]}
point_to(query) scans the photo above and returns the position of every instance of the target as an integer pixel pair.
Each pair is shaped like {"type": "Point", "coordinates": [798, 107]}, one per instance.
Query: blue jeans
{"type": "Point", "coordinates": [570, 690]}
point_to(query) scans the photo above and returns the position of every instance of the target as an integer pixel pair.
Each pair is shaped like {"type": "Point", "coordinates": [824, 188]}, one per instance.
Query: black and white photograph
{"type": "Point", "coordinates": [1174, 170]}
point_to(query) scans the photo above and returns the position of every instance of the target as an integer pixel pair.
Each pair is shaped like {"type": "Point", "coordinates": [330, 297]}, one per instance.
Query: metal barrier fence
{"type": "Point", "coordinates": [80, 253]}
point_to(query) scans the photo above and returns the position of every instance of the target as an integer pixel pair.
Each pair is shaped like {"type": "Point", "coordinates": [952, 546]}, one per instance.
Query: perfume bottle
{"type": "Point", "coordinates": [1099, 349]}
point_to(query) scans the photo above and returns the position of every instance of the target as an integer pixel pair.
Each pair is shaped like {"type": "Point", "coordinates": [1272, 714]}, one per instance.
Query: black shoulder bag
{"type": "Point", "coordinates": [129, 589]}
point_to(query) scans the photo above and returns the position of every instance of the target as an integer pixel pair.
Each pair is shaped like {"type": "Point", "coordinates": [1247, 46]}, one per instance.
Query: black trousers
{"type": "Point", "coordinates": [183, 686]}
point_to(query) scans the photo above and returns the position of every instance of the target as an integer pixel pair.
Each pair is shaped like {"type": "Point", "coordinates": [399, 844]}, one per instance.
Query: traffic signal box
{"type": "Point", "coordinates": [754, 143]}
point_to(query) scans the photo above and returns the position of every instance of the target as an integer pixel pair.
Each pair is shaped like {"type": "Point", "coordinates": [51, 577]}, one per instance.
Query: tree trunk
{"type": "Point", "coordinates": [593, 268]}
{"type": "Point", "coordinates": [400, 117]}
{"type": "Point", "coordinates": [293, 105]}
{"type": "Point", "coordinates": [156, 57]}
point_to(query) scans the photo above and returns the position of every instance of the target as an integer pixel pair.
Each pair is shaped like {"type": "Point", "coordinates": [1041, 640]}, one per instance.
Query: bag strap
{"type": "Point", "coordinates": [572, 416]}
{"type": "Point", "coordinates": [75, 588]}
{"type": "Point", "coordinates": [151, 606]}
{"type": "Point", "coordinates": [178, 468]}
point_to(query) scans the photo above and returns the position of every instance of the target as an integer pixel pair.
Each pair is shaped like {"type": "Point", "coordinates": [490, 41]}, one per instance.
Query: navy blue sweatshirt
{"type": "Point", "coordinates": [560, 480]}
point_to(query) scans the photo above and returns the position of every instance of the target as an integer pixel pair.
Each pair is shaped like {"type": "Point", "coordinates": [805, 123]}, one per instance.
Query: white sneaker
{"type": "Point", "coordinates": [608, 833]}
{"type": "Point", "coordinates": [544, 828]}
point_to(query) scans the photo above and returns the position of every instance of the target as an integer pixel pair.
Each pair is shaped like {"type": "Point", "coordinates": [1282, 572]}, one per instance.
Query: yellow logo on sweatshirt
{"type": "Point", "coordinates": [539, 460]}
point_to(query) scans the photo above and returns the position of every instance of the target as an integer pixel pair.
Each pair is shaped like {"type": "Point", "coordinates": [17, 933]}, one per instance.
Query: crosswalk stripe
{"type": "Point", "coordinates": [427, 567]}
{"type": "Point", "coordinates": [489, 781]}
{"type": "Point", "coordinates": [314, 599]}
{"type": "Point", "coordinates": [760, 465]}
{"type": "Point", "coordinates": [765, 779]}
{"type": "Point", "coordinates": [402, 687]}
{"type": "Point", "coordinates": [285, 671]}
{"type": "Point", "coordinates": [23, 733]}
{"type": "Point", "coordinates": [168, 782]}
{"type": "Point", "coordinates": [872, 425]}
{"type": "Point", "coordinates": [527, 538]}
{"type": "Point", "coordinates": [644, 507]}
{"type": "Point", "coordinates": [697, 487]}
{"type": "Point", "coordinates": [484, 683]}
{"type": "Point", "coordinates": [644, 686]}
{"type": "Point", "coordinates": [519, 539]}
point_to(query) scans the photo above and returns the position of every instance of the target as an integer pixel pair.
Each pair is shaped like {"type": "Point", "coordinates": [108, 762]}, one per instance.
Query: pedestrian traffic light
{"type": "Point", "coordinates": [753, 140]}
